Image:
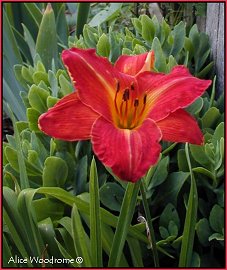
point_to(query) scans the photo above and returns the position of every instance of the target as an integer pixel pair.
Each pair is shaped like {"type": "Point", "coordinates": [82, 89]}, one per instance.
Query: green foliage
{"type": "Point", "coordinates": [171, 47]}
{"type": "Point", "coordinates": [59, 201]}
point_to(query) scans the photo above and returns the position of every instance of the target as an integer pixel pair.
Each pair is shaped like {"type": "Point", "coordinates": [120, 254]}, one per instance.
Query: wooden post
{"type": "Point", "coordinates": [215, 30]}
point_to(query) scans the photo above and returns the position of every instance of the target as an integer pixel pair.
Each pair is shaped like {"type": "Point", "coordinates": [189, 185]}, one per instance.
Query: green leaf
{"type": "Point", "coordinates": [95, 229]}
{"type": "Point", "coordinates": [6, 252]}
{"type": "Point", "coordinates": [106, 14]}
{"type": "Point", "coordinates": [47, 207]}
{"type": "Point", "coordinates": [135, 251]}
{"type": "Point", "coordinates": [103, 46]}
{"type": "Point", "coordinates": [80, 238]}
{"type": "Point", "coordinates": [107, 238]}
{"type": "Point", "coordinates": [195, 262]}
{"type": "Point", "coordinates": [23, 46]}
{"type": "Point", "coordinates": [178, 38]}
{"type": "Point", "coordinates": [24, 204]}
{"type": "Point", "coordinates": [218, 133]}
{"type": "Point", "coordinates": [66, 86]}
{"type": "Point", "coordinates": [196, 106]}
{"type": "Point", "coordinates": [111, 195]}
{"type": "Point", "coordinates": [53, 83]}
{"type": "Point", "coordinates": [33, 116]}
{"type": "Point", "coordinates": [46, 44]}
{"type": "Point", "coordinates": [199, 154]}
{"type": "Point", "coordinates": [37, 98]}
{"type": "Point", "coordinates": [47, 231]}
{"type": "Point", "coordinates": [160, 173]}
{"type": "Point", "coordinates": [217, 236]}
{"type": "Point", "coordinates": [14, 100]}
{"type": "Point", "coordinates": [169, 191]}
{"type": "Point", "coordinates": [216, 218]}
{"type": "Point", "coordinates": [210, 118]}
{"type": "Point", "coordinates": [90, 36]}
{"type": "Point", "coordinates": [66, 222]}
{"type": "Point", "coordinates": [34, 12]}
{"type": "Point", "coordinates": [39, 76]}
{"type": "Point", "coordinates": [173, 228]}
{"type": "Point", "coordinates": [169, 214]}
{"type": "Point", "coordinates": [55, 172]}
{"type": "Point", "coordinates": [163, 232]}
{"type": "Point", "coordinates": [148, 28]}
{"type": "Point", "coordinates": [29, 40]}
{"type": "Point", "coordinates": [24, 183]}
{"type": "Point", "coordinates": [26, 74]}
{"type": "Point", "coordinates": [65, 254]}
{"type": "Point", "coordinates": [82, 15]}
{"type": "Point", "coordinates": [81, 175]}
{"type": "Point", "coordinates": [190, 221]}
{"type": "Point", "coordinates": [51, 101]}
{"type": "Point", "coordinates": [124, 220]}
{"type": "Point", "coordinates": [61, 25]}
{"type": "Point", "coordinates": [160, 59]}
{"type": "Point", "coordinates": [83, 206]}
{"type": "Point", "coordinates": [10, 47]}
{"type": "Point", "coordinates": [203, 231]}
{"type": "Point", "coordinates": [15, 223]}
{"type": "Point", "coordinates": [204, 172]}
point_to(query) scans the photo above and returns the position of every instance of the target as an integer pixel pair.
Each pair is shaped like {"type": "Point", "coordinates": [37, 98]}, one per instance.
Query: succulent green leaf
{"type": "Point", "coordinates": [46, 44]}
{"type": "Point", "coordinates": [55, 172]}
{"type": "Point", "coordinates": [111, 195]}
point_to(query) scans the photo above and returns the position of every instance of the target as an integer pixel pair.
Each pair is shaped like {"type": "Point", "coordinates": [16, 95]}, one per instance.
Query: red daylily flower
{"type": "Point", "coordinates": [125, 109]}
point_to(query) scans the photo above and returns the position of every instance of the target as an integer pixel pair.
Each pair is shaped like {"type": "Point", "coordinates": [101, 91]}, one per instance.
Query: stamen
{"type": "Point", "coordinates": [126, 95]}
{"type": "Point", "coordinates": [125, 117]}
{"type": "Point", "coordinates": [132, 86]}
{"type": "Point", "coordinates": [144, 105]}
{"type": "Point", "coordinates": [136, 104]}
{"type": "Point", "coordinates": [115, 98]}
{"type": "Point", "coordinates": [145, 99]}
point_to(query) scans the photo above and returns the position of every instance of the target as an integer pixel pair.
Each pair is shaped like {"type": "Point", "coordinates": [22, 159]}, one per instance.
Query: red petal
{"type": "Point", "coordinates": [95, 79]}
{"type": "Point", "coordinates": [180, 126]}
{"type": "Point", "coordinates": [68, 120]}
{"type": "Point", "coordinates": [135, 64]}
{"type": "Point", "coordinates": [167, 93]}
{"type": "Point", "coordinates": [129, 153]}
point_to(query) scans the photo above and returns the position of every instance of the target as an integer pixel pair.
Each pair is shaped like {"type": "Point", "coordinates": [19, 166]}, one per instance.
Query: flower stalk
{"type": "Point", "coordinates": [150, 226]}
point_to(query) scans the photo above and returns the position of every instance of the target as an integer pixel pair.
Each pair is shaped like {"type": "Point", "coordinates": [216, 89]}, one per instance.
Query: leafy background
{"type": "Point", "coordinates": [57, 199]}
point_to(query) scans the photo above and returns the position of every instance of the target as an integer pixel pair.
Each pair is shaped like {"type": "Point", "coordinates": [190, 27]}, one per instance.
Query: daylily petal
{"type": "Point", "coordinates": [95, 79]}
{"type": "Point", "coordinates": [129, 153]}
{"type": "Point", "coordinates": [68, 120]}
{"type": "Point", "coordinates": [135, 64]}
{"type": "Point", "coordinates": [167, 93]}
{"type": "Point", "coordinates": [180, 126]}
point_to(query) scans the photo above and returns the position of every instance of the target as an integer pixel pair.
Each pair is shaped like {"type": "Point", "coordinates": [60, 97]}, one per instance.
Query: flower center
{"type": "Point", "coordinates": [129, 107]}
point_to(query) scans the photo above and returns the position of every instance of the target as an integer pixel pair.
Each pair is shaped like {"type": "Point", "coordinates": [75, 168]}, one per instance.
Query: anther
{"type": "Point", "coordinates": [145, 99]}
{"type": "Point", "coordinates": [126, 95]}
{"type": "Point", "coordinates": [136, 103]}
{"type": "Point", "coordinates": [118, 86]}
{"type": "Point", "coordinates": [132, 86]}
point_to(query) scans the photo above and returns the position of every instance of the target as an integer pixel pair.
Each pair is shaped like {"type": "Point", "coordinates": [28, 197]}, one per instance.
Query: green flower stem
{"type": "Point", "coordinates": [124, 221]}
{"type": "Point", "coordinates": [150, 226]}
